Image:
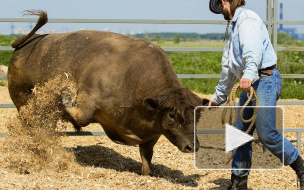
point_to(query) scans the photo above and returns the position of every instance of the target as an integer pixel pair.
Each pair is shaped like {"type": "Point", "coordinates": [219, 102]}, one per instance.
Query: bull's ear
{"type": "Point", "coordinates": [151, 103]}
{"type": "Point", "coordinates": [205, 102]}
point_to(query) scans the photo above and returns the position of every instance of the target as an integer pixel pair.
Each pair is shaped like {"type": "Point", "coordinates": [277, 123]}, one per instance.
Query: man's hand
{"type": "Point", "coordinates": [245, 84]}
{"type": "Point", "coordinates": [212, 104]}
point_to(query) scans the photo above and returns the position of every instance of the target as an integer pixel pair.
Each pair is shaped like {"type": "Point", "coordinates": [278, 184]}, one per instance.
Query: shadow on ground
{"type": "Point", "coordinates": [104, 157]}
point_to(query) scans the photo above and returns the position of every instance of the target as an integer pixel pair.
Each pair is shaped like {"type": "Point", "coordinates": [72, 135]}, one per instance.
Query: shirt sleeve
{"type": "Point", "coordinates": [224, 87]}
{"type": "Point", "coordinates": [251, 43]}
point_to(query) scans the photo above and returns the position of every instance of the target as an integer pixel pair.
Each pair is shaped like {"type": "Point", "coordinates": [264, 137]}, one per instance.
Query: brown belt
{"type": "Point", "coordinates": [267, 70]}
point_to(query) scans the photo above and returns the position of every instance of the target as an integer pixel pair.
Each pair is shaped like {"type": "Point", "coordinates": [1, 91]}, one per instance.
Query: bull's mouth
{"type": "Point", "coordinates": [189, 148]}
{"type": "Point", "coordinates": [184, 144]}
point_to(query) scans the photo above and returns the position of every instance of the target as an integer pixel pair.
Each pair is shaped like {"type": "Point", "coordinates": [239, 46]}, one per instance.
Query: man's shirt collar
{"type": "Point", "coordinates": [236, 14]}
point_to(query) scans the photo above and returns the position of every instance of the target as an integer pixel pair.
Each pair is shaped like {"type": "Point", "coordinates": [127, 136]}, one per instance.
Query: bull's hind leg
{"type": "Point", "coordinates": [146, 153]}
{"type": "Point", "coordinates": [20, 94]}
{"type": "Point", "coordinates": [81, 112]}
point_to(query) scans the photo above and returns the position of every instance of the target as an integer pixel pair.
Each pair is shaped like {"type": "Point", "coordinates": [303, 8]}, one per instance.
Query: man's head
{"type": "Point", "coordinates": [225, 7]}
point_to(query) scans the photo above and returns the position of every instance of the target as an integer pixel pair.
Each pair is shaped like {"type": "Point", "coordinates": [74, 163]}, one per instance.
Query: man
{"type": "Point", "coordinates": [249, 56]}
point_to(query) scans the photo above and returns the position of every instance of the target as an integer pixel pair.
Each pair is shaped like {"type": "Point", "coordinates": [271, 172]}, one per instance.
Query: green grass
{"type": "Point", "coordinates": [5, 56]}
{"type": "Point", "coordinates": [293, 88]}
{"type": "Point", "coordinates": [2, 83]}
{"type": "Point", "coordinates": [291, 62]}
{"type": "Point", "coordinates": [196, 62]}
{"type": "Point", "coordinates": [6, 40]}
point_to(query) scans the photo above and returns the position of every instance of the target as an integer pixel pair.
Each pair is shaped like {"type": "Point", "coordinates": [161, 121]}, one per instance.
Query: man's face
{"type": "Point", "coordinates": [225, 8]}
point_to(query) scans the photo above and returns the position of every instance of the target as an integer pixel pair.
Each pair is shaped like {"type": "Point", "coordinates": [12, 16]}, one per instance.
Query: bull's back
{"type": "Point", "coordinates": [95, 59]}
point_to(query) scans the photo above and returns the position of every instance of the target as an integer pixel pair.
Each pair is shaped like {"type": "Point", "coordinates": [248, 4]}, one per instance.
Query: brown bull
{"type": "Point", "coordinates": [127, 85]}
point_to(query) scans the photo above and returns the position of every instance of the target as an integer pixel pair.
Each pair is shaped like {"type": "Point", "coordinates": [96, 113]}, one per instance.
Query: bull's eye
{"type": "Point", "coordinates": [171, 115]}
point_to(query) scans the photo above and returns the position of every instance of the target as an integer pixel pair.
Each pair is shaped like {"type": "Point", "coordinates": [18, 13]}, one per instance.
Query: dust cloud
{"type": "Point", "coordinates": [34, 138]}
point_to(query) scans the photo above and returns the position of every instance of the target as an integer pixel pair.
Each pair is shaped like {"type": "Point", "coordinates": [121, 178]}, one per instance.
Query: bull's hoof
{"type": "Point", "coordinates": [67, 101]}
{"type": "Point", "coordinates": [146, 171]}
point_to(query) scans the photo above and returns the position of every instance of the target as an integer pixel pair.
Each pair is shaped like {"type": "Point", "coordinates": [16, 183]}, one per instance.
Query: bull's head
{"type": "Point", "coordinates": [174, 117]}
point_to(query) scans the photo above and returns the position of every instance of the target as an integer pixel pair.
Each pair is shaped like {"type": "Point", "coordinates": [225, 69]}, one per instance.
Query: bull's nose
{"type": "Point", "coordinates": [189, 148]}
{"type": "Point", "coordinates": [187, 145]}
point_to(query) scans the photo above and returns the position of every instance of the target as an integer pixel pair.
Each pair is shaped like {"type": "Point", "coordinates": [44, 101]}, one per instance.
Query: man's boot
{"type": "Point", "coordinates": [238, 183]}
{"type": "Point", "coordinates": [298, 167]}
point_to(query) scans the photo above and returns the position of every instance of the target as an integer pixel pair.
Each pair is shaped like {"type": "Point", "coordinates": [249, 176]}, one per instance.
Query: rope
{"type": "Point", "coordinates": [232, 117]}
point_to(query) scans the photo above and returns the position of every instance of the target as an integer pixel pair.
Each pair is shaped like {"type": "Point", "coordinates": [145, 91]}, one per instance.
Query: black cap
{"type": "Point", "coordinates": [213, 6]}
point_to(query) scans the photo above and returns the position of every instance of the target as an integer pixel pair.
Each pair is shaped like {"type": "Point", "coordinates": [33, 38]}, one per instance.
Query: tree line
{"type": "Point", "coordinates": [172, 35]}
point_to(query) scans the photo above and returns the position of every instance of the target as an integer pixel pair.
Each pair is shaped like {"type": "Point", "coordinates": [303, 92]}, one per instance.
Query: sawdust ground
{"type": "Point", "coordinates": [98, 163]}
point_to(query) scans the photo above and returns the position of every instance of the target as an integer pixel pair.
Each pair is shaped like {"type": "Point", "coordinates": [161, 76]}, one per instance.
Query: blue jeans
{"type": "Point", "coordinates": [268, 90]}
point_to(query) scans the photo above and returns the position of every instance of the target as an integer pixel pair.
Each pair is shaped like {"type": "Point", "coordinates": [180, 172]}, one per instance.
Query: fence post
{"type": "Point", "coordinates": [275, 25]}
{"type": "Point", "coordinates": [269, 17]}
{"type": "Point", "coordinates": [299, 142]}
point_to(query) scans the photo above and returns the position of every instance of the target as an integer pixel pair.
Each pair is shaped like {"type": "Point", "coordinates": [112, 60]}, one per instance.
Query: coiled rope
{"type": "Point", "coordinates": [232, 117]}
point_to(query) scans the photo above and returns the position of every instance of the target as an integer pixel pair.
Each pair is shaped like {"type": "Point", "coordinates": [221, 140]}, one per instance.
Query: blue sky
{"type": "Point", "coordinates": [134, 9]}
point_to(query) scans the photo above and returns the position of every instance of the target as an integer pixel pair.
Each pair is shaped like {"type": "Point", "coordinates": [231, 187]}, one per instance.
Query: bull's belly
{"type": "Point", "coordinates": [122, 138]}
{"type": "Point", "coordinates": [119, 134]}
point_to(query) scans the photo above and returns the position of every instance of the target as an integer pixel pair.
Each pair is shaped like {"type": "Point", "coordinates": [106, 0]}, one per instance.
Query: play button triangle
{"type": "Point", "coordinates": [235, 138]}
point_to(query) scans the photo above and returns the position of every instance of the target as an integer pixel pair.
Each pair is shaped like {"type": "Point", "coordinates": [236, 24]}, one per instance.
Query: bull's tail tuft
{"type": "Point", "coordinates": [43, 19]}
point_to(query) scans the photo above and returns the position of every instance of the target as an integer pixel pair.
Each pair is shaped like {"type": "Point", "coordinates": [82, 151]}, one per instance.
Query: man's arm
{"type": "Point", "coordinates": [251, 42]}
{"type": "Point", "coordinates": [224, 87]}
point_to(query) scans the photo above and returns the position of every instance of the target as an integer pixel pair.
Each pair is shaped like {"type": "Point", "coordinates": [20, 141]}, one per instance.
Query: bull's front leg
{"type": "Point", "coordinates": [146, 153]}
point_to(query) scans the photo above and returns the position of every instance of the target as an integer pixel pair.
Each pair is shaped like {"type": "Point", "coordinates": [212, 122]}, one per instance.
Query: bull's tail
{"type": "Point", "coordinates": [43, 19]}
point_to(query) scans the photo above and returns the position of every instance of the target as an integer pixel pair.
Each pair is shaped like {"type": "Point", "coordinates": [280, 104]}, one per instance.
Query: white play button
{"type": "Point", "coordinates": [235, 138]}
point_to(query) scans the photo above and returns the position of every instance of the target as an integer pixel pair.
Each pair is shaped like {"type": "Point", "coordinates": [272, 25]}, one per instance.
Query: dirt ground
{"type": "Point", "coordinates": [99, 163]}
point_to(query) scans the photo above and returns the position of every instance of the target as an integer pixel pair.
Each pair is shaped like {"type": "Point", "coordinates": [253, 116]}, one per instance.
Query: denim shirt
{"type": "Point", "coordinates": [247, 50]}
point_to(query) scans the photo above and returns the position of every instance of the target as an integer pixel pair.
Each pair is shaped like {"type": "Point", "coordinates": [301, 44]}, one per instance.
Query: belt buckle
{"type": "Point", "coordinates": [266, 72]}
